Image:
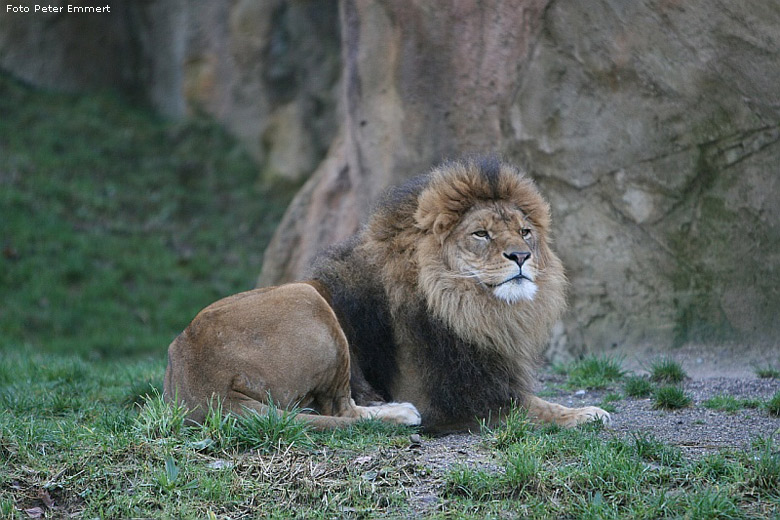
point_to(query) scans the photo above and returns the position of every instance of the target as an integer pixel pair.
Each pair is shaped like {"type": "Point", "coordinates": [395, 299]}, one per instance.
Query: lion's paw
{"type": "Point", "coordinates": [399, 413]}
{"type": "Point", "coordinates": [590, 414]}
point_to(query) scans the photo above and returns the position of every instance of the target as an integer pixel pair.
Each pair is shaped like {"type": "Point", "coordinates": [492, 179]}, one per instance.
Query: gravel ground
{"type": "Point", "coordinates": [696, 430]}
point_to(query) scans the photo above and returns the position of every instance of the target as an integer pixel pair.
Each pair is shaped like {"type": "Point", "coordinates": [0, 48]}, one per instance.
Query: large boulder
{"type": "Point", "coordinates": [657, 139]}
{"type": "Point", "coordinates": [652, 127]}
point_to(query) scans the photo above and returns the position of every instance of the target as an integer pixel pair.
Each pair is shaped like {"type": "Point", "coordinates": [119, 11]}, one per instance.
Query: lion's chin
{"type": "Point", "coordinates": [514, 291]}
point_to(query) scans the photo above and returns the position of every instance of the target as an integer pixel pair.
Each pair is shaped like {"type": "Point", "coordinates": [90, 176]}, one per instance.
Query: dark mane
{"type": "Point", "coordinates": [385, 292]}
{"type": "Point", "coordinates": [360, 304]}
{"type": "Point", "coordinates": [463, 380]}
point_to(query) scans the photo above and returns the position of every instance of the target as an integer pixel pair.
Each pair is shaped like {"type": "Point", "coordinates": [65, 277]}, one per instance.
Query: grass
{"type": "Point", "coordinates": [768, 372]}
{"type": "Point", "coordinates": [637, 386]}
{"type": "Point", "coordinates": [671, 397]}
{"type": "Point", "coordinates": [592, 474]}
{"type": "Point", "coordinates": [116, 229]}
{"type": "Point", "coordinates": [592, 372]}
{"type": "Point", "coordinates": [607, 402]}
{"type": "Point", "coordinates": [729, 403]}
{"type": "Point", "coordinates": [100, 455]}
{"type": "Point", "coordinates": [666, 370]}
{"type": "Point", "coordinates": [773, 405]}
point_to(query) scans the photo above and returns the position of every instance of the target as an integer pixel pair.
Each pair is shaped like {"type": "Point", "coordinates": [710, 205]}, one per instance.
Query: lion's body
{"type": "Point", "coordinates": [443, 300]}
{"type": "Point", "coordinates": [282, 343]}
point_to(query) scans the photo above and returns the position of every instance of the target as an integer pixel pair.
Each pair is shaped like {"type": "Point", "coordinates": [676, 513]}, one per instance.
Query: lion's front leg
{"type": "Point", "coordinates": [398, 413]}
{"type": "Point", "coordinates": [544, 411]}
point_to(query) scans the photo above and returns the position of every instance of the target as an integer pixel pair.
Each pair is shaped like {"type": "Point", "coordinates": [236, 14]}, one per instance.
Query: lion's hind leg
{"type": "Point", "coordinates": [396, 413]}
{"type": "Point", "coordinates": [544, 411]}
{"type": "Point", "coordinates": [338, 413]}
{"type": "Point", "coordinates": [343, 406]}
{"type": "Point", "coordinates": [318, 422]}
{"type": "Point", "coordinates": [282, 344]}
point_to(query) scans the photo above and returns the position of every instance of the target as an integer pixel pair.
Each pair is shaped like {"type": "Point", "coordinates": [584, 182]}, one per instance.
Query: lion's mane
{"type": "Point", "coordinates": [419, 332]}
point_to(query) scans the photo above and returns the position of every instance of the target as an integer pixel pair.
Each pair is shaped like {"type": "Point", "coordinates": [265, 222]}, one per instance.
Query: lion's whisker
{"type": "Point", "coordinates": [466, 275]}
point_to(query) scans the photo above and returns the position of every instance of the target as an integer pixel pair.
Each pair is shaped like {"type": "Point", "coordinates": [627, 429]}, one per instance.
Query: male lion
{"type": "Point", "coordinates": [440, 305]}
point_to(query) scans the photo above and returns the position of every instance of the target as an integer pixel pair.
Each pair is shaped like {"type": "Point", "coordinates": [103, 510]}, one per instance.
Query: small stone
{"type": "Point", "coordinates": [220, 464]}
{"type": "Point", "coordinates": [415, 440]}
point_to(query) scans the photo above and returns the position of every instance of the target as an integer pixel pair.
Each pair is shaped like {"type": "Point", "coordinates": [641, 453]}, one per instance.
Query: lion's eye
{"type": "Point", "coordinates": [481, 234]}
{"type": "Point", "coordinates": [525, 232]}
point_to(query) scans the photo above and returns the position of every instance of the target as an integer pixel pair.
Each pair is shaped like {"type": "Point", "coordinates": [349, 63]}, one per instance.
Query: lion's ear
{"type": "Point", "coordinates": [443, 224]}
{"type": "Point", "coordinates": [431, 219]}
{"type": "Point", "coordinates": [426, 212]}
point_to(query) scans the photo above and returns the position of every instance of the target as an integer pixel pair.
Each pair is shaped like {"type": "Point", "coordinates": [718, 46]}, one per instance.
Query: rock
{"type": "Point", "coordinates": [268, 71]}
{"type": "Point", "coordinates": [655, 137]}
{"type": "Point", "coordinates": [404, 110]}
{"type": "Point", "coordinates": [67, 51]}
{"type": "Point", "coordinates": [652, 127]}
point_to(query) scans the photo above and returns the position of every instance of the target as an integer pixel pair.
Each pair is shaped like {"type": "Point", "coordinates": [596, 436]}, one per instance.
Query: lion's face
{"type": "Point", "coordinates": [496, 246]}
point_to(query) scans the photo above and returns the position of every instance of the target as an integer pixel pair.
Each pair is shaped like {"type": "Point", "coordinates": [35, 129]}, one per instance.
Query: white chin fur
{"type": "Point", "coordinates": [515, 291]}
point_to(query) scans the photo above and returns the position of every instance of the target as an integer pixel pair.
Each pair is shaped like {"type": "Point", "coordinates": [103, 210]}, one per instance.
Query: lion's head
{"type": "Point", "coordinates": [491, 224]}
{"type": "Point", "coordinates": [495, 245]}
{"type": "Point", "coordinates": [472, 238]}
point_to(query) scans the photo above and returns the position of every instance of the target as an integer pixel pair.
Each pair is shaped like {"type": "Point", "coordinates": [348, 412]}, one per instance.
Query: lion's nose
{"type": "Point", "coordinates": [518, 257]}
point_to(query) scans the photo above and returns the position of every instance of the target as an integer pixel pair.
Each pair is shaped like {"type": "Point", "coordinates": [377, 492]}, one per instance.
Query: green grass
{"type": "Point", "coordinates": [515, 426]}
{"type": "Point", "coordinates": [521, 471]}
{"type": "Point", "coordinates": [100, 455]}
{"type": "Point", "coordinates": [666, 370]}
{"type": "Point", "coordinates": [773, 405]}
{"type": "Point", "coordinates": [592, 372]}
{"type": "Point", "coordinates": [607, 402]}
{"type": "Point", "coordinates": [118, 227]}
{"type": "Point", "coordinates": [653, 450]}
{"type": "Point", "coordinates": [670, 397]}
{"type": "Point", "coordinates": [593, 474]}
{"type": "Point", "coordinates": [728, 403]}
{"type": "Point", "coordinates": [637, 386]}
{"type": "Point", "coordinates": [767, 372]}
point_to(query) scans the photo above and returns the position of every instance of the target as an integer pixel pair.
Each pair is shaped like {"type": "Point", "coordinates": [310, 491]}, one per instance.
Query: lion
{"type": "Point", "coordinates": [434, 314]}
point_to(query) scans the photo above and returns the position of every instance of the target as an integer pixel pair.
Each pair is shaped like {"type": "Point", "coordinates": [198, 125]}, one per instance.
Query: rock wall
{"type": "Point", "coordinates": [657, 139]}
{"type": "Point", "coordinates": [653, 127]}
{"type": "Point", "coordinates": [269, 70]}
{"type": "Point", "coordinates": [404, 110]}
